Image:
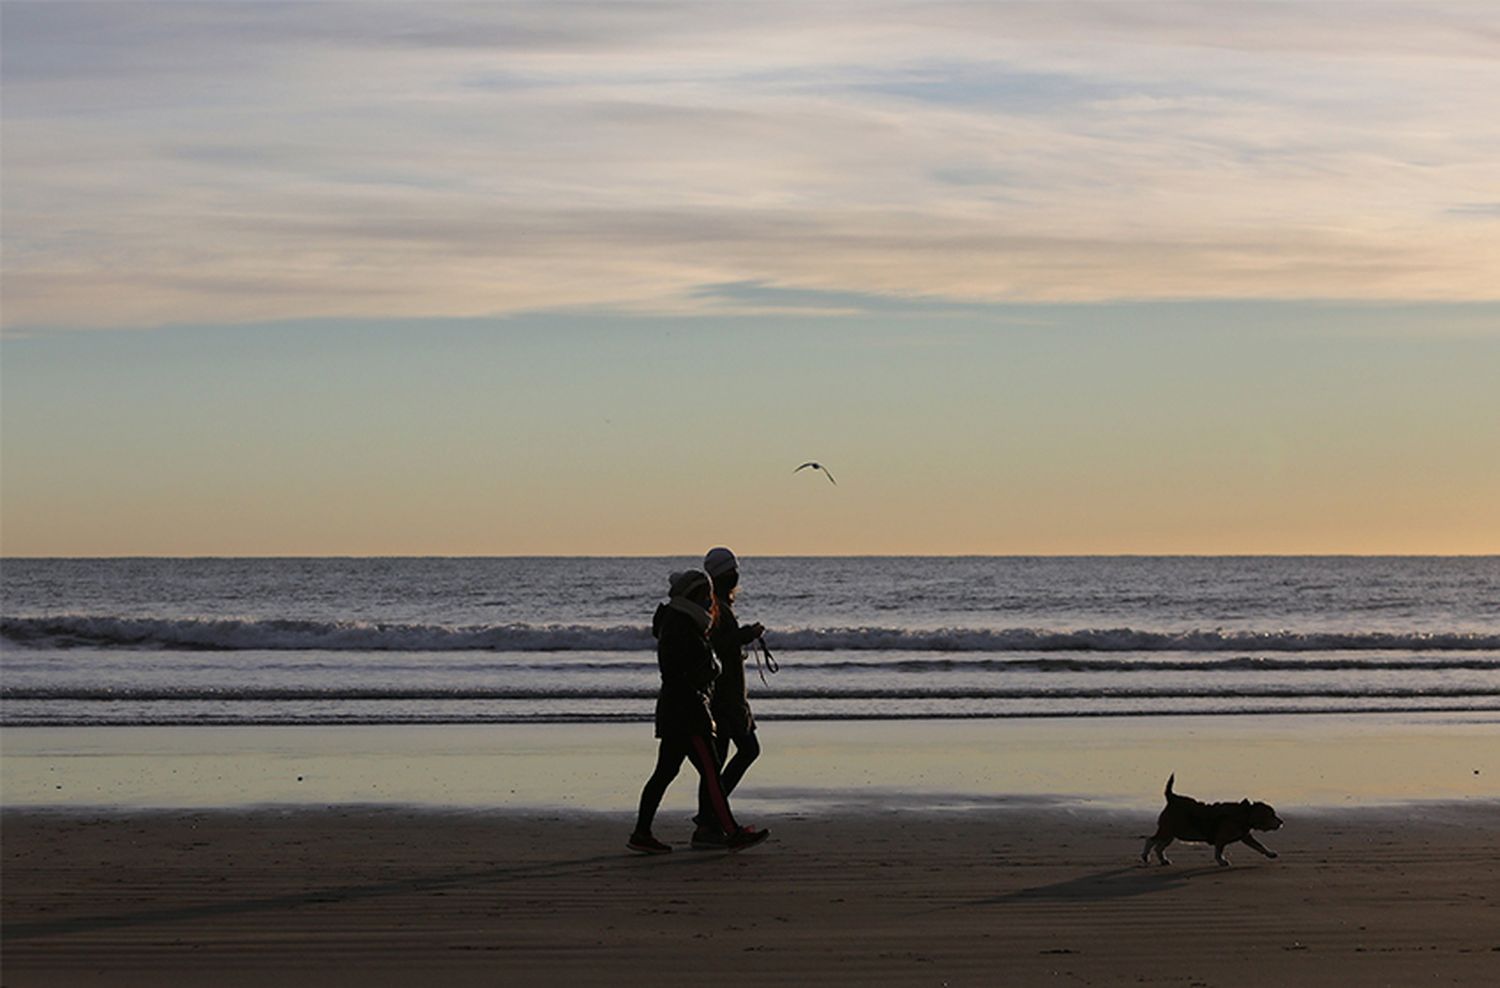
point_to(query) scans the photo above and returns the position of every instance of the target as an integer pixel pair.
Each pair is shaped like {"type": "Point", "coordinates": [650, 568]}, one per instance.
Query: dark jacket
{"type": "Point", "coordinates": [688, 671]}
{"type": "Point", "coordinates": [731, 702]}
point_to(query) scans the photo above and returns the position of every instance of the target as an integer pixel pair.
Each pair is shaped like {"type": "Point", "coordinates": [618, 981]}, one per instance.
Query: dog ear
{"type": "Point", "coordinates": [1245, 803]}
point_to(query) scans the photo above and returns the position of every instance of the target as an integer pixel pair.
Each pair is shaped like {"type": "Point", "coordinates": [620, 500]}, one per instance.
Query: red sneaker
{"type": "Point", "coordinates": [745, 837]}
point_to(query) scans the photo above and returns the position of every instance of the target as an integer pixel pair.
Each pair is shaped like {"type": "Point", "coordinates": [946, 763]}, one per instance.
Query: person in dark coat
{"type": "Point", "coordinates": [730, 705]}
{"type": "Point", "coordinates": [684, 720]}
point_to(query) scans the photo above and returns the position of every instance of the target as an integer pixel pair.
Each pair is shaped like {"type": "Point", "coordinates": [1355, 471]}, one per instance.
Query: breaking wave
{"type": "Point", "coordinates": [226, 694]}
{"type": "Point", "coordinates": [74, 631]}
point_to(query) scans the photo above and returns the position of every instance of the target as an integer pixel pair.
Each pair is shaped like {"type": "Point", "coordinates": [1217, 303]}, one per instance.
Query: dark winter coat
{"type": "Point", "coordinates": [731, 703]}
{"type": "Point", "coordinates": [688, 671]}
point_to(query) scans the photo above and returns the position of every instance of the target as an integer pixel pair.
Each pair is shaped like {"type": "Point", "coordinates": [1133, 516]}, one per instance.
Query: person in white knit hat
{"type": "Point", "coordinates": [684, 722]}
{"type": "Point", "coordinates": [731, 701]}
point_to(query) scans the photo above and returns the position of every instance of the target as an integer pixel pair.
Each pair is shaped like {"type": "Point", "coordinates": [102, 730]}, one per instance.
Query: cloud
{"type": "Point", "coordinates": [217, 161]}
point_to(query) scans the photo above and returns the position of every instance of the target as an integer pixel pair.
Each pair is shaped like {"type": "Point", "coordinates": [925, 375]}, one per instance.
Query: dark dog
{"type": "Point", "coordinates": [1209, 823]}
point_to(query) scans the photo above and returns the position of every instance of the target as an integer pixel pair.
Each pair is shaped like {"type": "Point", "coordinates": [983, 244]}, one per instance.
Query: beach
{"type": "Point", "coordinates": [311, 772]}
{"type": "Point", "coordinates": [880, 869]}
{"type": "Point", "coordinates": [1033, 895]}
{"type": "Point", "coordinates": [948, 426]}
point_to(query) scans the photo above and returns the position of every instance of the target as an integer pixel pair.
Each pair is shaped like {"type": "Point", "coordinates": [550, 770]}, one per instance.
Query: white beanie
{"type": "Point", "coordinates": [720, 561]}
{"type": "Point", "coordinates": [688, 582]}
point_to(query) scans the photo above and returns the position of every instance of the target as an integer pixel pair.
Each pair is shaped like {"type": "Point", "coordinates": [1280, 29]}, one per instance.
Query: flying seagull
{"type": "Point", "coordinates": [818, 466]}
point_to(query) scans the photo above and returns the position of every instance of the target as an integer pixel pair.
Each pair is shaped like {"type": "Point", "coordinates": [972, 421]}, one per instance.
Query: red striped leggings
{"type": "Point", "coordinates": [699, 750]}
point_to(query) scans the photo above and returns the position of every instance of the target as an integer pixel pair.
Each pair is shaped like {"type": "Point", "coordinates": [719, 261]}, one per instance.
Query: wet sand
{"type": "Point", "coordinates": [1028, 894]}
{"type": "Point", "coordinates": [1105, 762]}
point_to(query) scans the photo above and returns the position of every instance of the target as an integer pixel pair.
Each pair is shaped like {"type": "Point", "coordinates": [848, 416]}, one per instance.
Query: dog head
{"type": "Point", "coordinates": [1261, 815]}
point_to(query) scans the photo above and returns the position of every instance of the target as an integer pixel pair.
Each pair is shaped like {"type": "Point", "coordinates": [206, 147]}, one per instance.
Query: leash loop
{"type": "Point", "coordinates": [771, 664]}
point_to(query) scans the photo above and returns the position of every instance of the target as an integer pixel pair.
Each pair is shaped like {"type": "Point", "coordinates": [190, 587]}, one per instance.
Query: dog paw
{"type": "Point", "coordinates": [1272, 854]}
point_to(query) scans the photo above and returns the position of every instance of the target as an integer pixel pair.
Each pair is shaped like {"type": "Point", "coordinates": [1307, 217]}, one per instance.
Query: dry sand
{"type": "Point", "coordinates": [1017, 896]}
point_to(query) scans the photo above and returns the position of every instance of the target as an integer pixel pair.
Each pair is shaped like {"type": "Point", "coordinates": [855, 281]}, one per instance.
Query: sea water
{"type": "Point", "coordinates": [538, 640]}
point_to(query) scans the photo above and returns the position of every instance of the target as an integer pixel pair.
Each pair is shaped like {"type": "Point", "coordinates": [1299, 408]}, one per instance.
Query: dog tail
{"type": "Point", "coordinates": [1170, 779]}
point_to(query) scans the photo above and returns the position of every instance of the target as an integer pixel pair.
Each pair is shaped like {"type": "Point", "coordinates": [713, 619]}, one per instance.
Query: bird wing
{"type": "Point", "coordinates": [805, 466]}
{"type": "Point", "coordinates": [829, 475]}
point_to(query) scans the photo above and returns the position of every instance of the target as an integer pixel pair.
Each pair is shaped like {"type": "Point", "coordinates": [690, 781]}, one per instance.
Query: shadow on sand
{"type": "Point", "coordinates": [334, 894]}
{"type": "Point", "coordinates": [1125, 882]}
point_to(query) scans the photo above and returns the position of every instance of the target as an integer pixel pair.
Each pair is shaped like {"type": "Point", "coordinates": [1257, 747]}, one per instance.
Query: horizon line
{"type": "Point", "coordinates": [858, 555]}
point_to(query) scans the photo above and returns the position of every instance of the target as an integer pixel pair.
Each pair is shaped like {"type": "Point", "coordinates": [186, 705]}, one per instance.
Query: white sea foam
{"type": "Point", "coordinates": [102, 631]}
{"type": "Point", "coordinates": [838, 692]}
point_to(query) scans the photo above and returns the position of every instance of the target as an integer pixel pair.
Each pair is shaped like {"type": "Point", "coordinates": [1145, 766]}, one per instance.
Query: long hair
{"type": "Point", "coordinates": [726, 587]}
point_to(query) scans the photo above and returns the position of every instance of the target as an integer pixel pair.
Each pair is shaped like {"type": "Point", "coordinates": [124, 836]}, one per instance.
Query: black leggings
{"type": "Point", "coordinates": [746, 750]}
{"type": "Point", "coordinates": [700, 751]}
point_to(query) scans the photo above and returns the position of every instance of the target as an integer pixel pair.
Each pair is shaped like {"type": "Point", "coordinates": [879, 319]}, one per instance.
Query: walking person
{"type": "Point", "coordinates": [731, 699]}
{"type": "Point", "coordinates": [684, 721]}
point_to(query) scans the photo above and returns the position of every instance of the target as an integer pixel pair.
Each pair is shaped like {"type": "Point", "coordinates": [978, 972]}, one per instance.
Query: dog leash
{"type": "Point", "coordinates": [761, 648]}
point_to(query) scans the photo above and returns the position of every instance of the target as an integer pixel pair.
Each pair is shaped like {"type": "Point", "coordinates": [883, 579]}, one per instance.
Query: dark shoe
{"type": "Point", "coordinates": [709, 839]}
{"type": "Point", "coordinates": [745, 837]}
{"type": "Point", "coordinates": [646, 844]}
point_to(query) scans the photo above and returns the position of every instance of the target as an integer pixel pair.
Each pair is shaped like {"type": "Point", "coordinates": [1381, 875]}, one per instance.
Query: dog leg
{"type": "Point", "coordinates": [1257, 845]}
{"type": "Point", "coordinates": [1219, 856]}
{"type": "Point", "coordinates": [1161, 846]}
{"type": "Point", "coordinates": [1146, 851]}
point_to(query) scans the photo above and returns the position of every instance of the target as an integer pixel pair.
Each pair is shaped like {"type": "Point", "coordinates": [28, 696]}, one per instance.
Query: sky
{"type": "Point", "coordinates": [592, 279]}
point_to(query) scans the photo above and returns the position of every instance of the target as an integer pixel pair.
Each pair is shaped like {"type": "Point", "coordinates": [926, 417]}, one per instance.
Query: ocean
{"type": "Point", "coordinates": [146, 642]}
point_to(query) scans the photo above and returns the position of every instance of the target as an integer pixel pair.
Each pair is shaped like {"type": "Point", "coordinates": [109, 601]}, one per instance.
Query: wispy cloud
{"type": "Point", "coordinates": [211, 161]}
